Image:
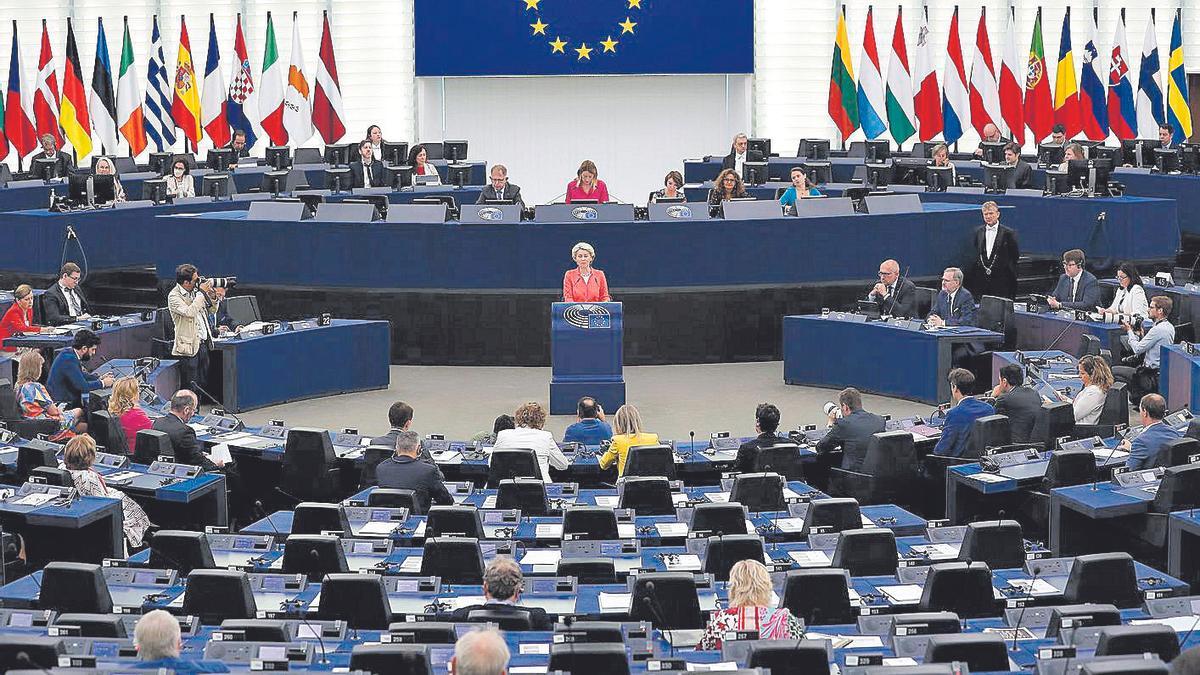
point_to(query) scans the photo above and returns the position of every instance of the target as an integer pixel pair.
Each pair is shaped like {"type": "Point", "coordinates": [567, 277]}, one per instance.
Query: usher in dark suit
{"type": "Point", "coordinates": [1002, 264]}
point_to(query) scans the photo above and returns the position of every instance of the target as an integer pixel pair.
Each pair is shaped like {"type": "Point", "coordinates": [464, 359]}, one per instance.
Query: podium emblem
{"type": "Point", "coordinates": [584, 213]}
{"type": "Point", "coordinates": [680, 212]}
{"type": "Point", "coordinates": [587, 316]}
{"type": "Point", "coordinates": [490, 213]}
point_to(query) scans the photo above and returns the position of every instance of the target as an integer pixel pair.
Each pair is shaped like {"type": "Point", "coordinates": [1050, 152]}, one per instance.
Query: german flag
{"type": "Point", "coordinates": [73, 109]}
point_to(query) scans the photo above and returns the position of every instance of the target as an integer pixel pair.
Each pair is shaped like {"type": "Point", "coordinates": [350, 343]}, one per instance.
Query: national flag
{"type": "Point", "coordinates": [73, 109]}
{"type": "Point", "coordinates": [1179, 114]}
{"type": "Point", "coordinates": [1149, 92]}
{"type": "Point", "coordinates": [985, 98]}
{"type": "Point", "coordinates": [185, 103]}
{"type": "Point", "coordinates": [843, 104]}
{"type": "Point", "coordinates": [241, 89]}
{"type": "Point", "coordinates": [45, 98]}
{"type": "Point", "coordinates": [270, 97]}
{"type": "Point", "coordinates": [899, 96]}
{"type": "Point", "coordinates": [101, 101]}
{"type": "Point", "coordinates": [1012, 100]}
{"type": "Point", "coordinates": [18, 125]}
{"type": "Point", "coordinates": [157, 107]}
{"type": "Point", "coordinates": [3, 136]}
{"type": "Point", "coordinates": [130, 119]}
{"type": "Point", "coordinates": [871, 100]}
{"type": "Point", "coordinates": [329, 114]}
{"type": "Point", "coordinates": [1093, 113]}
{"type": "Point", "coordinates": [216, 121]}
{"type": "Point", "coordinates": [1066, 91]}
{"type": "Point", "coordinates": [927, 101]}
{"type": "Point", "coordinates": [297, 100]}
{"type": "Point", "coordinates": [1122, 115]}
{"type": "Point", "coordinates": [956, 104]}
{"type": "Point", "coordinates": [1039, 108]}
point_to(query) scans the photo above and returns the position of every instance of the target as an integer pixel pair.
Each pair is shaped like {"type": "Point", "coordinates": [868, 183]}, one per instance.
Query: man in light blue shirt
{"type": "Point", "coordinates": [1145, 380]}
{"type": "Point", "coordinates": [1144, 450]}
{"type": "Point", "coordinates": [591, 428]}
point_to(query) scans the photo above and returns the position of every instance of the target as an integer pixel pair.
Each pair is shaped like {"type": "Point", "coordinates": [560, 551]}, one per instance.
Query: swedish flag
{"type": "Point", "coordinates": [1179, 114]}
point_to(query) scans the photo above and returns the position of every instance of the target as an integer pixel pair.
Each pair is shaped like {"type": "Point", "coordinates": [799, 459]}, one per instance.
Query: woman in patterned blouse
{"type": "Point", "coordinates": [78, 456]}
{"type": "Point", "coordinates": [749, 600]}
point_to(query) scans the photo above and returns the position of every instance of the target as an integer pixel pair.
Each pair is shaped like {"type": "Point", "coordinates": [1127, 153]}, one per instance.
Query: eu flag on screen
{"type": "Point", "coordinates": [583, 37]}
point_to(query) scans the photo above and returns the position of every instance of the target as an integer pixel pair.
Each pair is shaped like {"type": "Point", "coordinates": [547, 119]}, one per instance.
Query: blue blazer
{"type": "Point", "coordinates": [963, 311]}
{"type": "Point", "coordinates": [68, 382]}
{"type": "Point", "coordinates": [1143, 451]}
{"type": "Point", "coordinates": [957, 429]}
{"type": "Point", "coordinates": [1087, 295]}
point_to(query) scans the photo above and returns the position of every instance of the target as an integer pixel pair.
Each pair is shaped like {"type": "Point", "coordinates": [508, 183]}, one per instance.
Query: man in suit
{"type": "Point", "coordinates": [400, 416]}
{"type": "Point", "coordinates": [740, 153]}
{"type": "Point", "coordinates": [956, 432]}
{"type": "Point", "coordinates": [850, 428]}
{"type": "Point", "coordinates": [62, 165]}
{"type": "Point", "coordinates": [1144, 450]}
{"type": "Point", "coordinates": [1166, 136]}
{"type": "Point", "coordinates": [994, 270]}
{"type": "Point", "coordinates": [1022, 174]}
{"type": "Point", "coordinates": [67, 381]}
{"type": "Point", "coordinates": [63, 302]}
{"type": "Point", "coordinates": [1077, 288]}
{"type": "Point", "coordinates": [1058, 135]}
{"type": "Point", "coordinates": [183, 438]}
{"type": "Point", "coordinates": [366, 171]}
{"type": "Point", "coordinates": [500, 188]}
{"type": "Point", "coordinates": [991, 134]}
{"type": "Point", "coordinates": [403, 471]}
{"type": "Point", "coordinates": [238, 144]}
{"type": "Point", "coordinates": [1021, 404]}
{"type": "Point", "coordinates": [766, 423]}
{"type": "Point", "coordinates": [893, 295]}
{"type": "Point", "coordinates": [502, 586]}
{"type": "Point", "coordinates": [954, 305]}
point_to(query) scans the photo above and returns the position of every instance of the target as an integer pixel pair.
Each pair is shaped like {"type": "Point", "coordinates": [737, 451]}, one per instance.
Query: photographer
{"type": "Point", "coordinates": [1143, 379]}
{"type": "Point", "coordinates": [191, 303]}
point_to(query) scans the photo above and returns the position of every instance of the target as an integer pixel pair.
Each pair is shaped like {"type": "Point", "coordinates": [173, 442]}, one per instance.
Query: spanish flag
{"type": "Point", "coordinates": [73, 110]}
{"type": "Point", "coordinates": [185, 104]}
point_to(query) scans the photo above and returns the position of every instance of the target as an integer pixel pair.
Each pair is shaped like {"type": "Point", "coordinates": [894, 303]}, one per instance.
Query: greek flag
{"type": "Point", "coordinates": [157, 108]}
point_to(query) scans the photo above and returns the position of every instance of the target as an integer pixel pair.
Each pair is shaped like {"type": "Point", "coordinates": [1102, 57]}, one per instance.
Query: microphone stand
{"type": "Point", "coordinates": [1028, 599]}
{"type": "Point", "coordinates": [652, 605]}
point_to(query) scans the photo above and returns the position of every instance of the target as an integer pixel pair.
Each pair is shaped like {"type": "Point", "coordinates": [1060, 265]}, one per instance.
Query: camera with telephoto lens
{"type": "Point", "coordinates": [833, 410]}
{"type": "Point", "coordinates": [220, 282]}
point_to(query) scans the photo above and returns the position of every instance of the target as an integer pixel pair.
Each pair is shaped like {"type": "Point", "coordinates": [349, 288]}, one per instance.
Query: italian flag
{"type": "Point", "coordinates": [270, 93]}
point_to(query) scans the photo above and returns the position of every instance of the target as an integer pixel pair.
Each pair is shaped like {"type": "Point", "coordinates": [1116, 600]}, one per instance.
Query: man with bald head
{"type": "Point", "coordinates": [991, 134]}
{"type": "Point", "coordinates": [894, 296]}
{"type": "Point", "coordinates": [184, 404]}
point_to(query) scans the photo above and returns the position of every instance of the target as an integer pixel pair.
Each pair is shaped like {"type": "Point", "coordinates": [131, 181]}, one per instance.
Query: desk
{"type": "Point", "coordinates": [1054, 330]}
{"type": "Point", "coordinates": [1077, 515]}
{"type": "Point", "coordinates": [124, 337]}
{"type": "Point", "coordinates": [88, 529]}
{"type": "Point", "coordinates": [1179, 378]}
{"type": "Point", "coordinates": [1185, 299]}
{"type": "Point", "coordinates": [836, 352]}
{"type": "Point", "coordinates": [1183, 546]}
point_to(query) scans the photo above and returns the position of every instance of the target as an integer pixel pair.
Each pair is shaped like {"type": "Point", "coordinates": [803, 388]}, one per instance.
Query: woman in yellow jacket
{"type": "Point", "coordinates": [627, 428]}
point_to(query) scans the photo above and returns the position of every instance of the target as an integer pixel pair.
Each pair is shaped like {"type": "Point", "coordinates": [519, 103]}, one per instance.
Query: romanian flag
{"type": "Point", "coordinates": [185, 104]}
{"type": "Point", "coordinates": [73, 110]}
{"type": "Point", "coordinates": [1066, 90]}
{"type": "Point", "coordinates": [843, 97]}
{"type": "Point", "coordinates": [1179, 115]}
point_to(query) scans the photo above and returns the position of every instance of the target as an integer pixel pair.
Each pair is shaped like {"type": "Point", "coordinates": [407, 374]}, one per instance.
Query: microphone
{"type": "Point", "coordinates": [899, 285]}
{"type": "Point", "coordinates": [71, 233]}
{"type": "Point", "coordinates": [1103, 216]}
{"type": "Point", "coordinates": [24, 659]}
{"type": "Point", "coordinates": [1021, 615]}
{"type": "Point", "coordinates": [652, 606]}
{"type": "Point", "coordinates": [258, 506]}
{"type": "Point", "coordinates": [1054, 343]}
{"type": "Point", "coordinates": [303, 617]}
{"type": "Point", "coordinates": [692, 433]}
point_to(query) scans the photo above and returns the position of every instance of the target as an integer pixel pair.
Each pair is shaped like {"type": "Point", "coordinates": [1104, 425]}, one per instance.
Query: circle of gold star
{"type": "Point", "coordinates": [583, 52]}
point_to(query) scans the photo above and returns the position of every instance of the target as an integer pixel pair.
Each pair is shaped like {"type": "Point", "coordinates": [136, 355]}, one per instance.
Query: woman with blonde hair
{"type": "Point", "coordinates": [79, 456]}
{"type": "Point", "coordinates": [587, 185]}
{"type": "Point", "coordinates": [124, 405]}
{"type": "Point", "coordinates": [627, 433]}
{"type": "Point", "coordinates": [529, 435]}
{"type": "Point", "coordinates": [585, 283]}
{"type": "Point", "coordinates": [35, 400]}
{"type": "Point", "coordinates": [1097, 380]}
{"type": "Point", "coordinates": [749, 609]}
{"type": "Point", "coordinates": [105, 167]}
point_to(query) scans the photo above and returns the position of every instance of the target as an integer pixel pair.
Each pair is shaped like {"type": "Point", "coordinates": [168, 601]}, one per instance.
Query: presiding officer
{"type": "Point", "coordinates": [63, 166]}
{"type": "Point", "coordinates": [403, 471]}
{"type": "Point", "coordinates": [190, 312]}
{"type": "Point", "coordinates": [585, 283]}
{"type": "Point", "coordinates": [893, 295]}
{"type": "Point", "coordinates": [850, 428]}
{"type": "Point", "coordinates": [1077, 288]}
{"type": "Point", "coordinates": [366, 171]}
{"type": "Point", "coordinates": [587, 185]}
{"type": "Point", "coordinates": [1144, 450]}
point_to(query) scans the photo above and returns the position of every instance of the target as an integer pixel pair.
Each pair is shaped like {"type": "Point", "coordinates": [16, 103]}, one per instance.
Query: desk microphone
{"type": "Point", "coordinates": [71, 233]}
{"type": "Point", "coordinates": [24, 659]}
{"type": "Point", "coordinates": [1054, 343]}
{"type": "Point", "coordinates": [258, 506]}
{"type": "Point", "coordinates": [692, 433]}
{"type": "Point", "coordinates": [1029, 598]}
{"type": "Point", "coordinates": [652, 605]}
{"type": "Point", "coordinates": [303, 616]}
{"type": "Point", "coordinates": [899, 284]}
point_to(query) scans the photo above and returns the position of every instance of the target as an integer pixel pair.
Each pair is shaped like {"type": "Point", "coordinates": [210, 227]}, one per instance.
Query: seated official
{"type": "Point", "coordinates": [104, 167]}
{"type": "Point", "coordinates": [585, 283]}
{"type": "Point", "coordinates": [1021, 404]}
{"type": "Point", "coordinates": [740, 153]}
{"type": "Point", "coordinates": [1143, 450]}
{"type": "Point", "coordinates": [1166, 136]}
{"type": "Point", "coordinates": [174, 424]}
{"type": "Point", "coordinates": [158, 642]}
{"type": "Point", "coordinates": [991, 134]}
{"type": "Point", "coordinates": [729, 186]}
{"type": "Point", "coordinates": [1072, 151]}
{"type": "Point", "coordinates": [1077, 288]}
{"type": "Point", "coordinates": [68, 381]}
{"type": "Point", "coordinates": [366, 171]}
{"type": "Point", "coordinates": [480, 652]}
{"type": "Point", "coordinates": [800, 188]}
{"type": "Point", "coordinates": [850, 428]}
{"type": "Point", "coordinates": [499, 188]}
{"type": "Point", "coordinates": [529, 435]}
{"type": "Point", "coordinates": [418, 159]}
{"type": "Point", "coordinates": [1148, 344]}
{"type": "Point", "coordinates": [375, 137]}
{"type": "Point", "coordinates": [503, 583]}
{"type": "Point", "coordinates": [587, 185]}
{"type": "Point", "coordinates": [766, 423]}
{"type": "Point", "coordinates": [63, 166]}
{"type": "Point", "coordinates": [79, 457]}
{"type": "Point", "coordinates": [956, 432]}
{"type": "Point", "coordinates": [18, 319]}
{"type": "Point", "coordinates": [403, 471]}
{"type": "Point", "coordinates": [751, 608]}
{"type": "Point", "coordinates": [501, 423]}
{"type": "Point", "coordinates": [627, 425]}
{"type": "Point", "coordinates": [37, 404]}
{"type": "Point", "coordinates": [954, 305]}
{"type": "Point", "coordinates": [1097, 379]}
{"type": "Point", "coordinates": [1130, 298]}
{"type": "Point", "coordinates": [180, 182]}
{"type": "Point", "coordinates": [941, 157]}
{"type": "Point", "coordinates": [672, 188]}
{"type": "Point", "coordinates": [239, 146]}
{"type": "Point", "coordinates": [893, 295]}
{"type": "Point", "coordinates": [63, 302]}
{"type": "Point", "coordinates": [1022, 174]}
{"type": "Point", "coordinates": [590, 427]}
{"type": "Point", "coordinates": [1058, 134]}
{"type": "Point", "coordinates": [400, 417]}
{"type": "Point", "coordinates": [124, 405]}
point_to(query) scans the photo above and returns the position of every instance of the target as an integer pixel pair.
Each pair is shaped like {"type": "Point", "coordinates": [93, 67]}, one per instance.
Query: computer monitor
{"type": "Point", "coordinates": [1189, 157]}
{"type": "Point", "coordinates": [455, 151]}
{"type": "Point", "coordinates": [814, 148]}
{"type": "Point", "coordinates": [279, 156]}
{"type": "Point", "coordinates": [399, 177]}
{"type": "Point", "coordinates": [878, 175]}
{"type": "Point", "coordinates": [337, 155]}
{"type": "Point", "coordinates": [1103, 152]}
{"type": "Point", "coordinates": [337, 179]}
{"type": "Point", "coordinates": [878, 151]}
{"type": "Point", "coordinates": [1091, 174]}
{"type": "Point", "coordinates": [155, 189]}
{"type": "Point", "coordinates": [78, 190]}
{"type": "Point", "coordinates": [160, 162]}
{"type": "Point", "coordinates": [1057, 182]}
{"type": "Point", "coordinates": [908, 170]}
{"type": "Point", "coordinates": [1050, 154]}
{"type": "Point", "coordinates": [1166, 160]}
{"type": "Point", "coordinates": [923, 149]}
{"type": "Point", "coordinates": [219, 159]}
{"type": "Point", "coordinates": [45, 168]}
{"type": "Point", "coordinates": [459, 174]}
{"type": "Point", "coordinates": [754, 173]}
{"type": "Point", "coordinates": [819, 173]}
{"type": "Point", "coordinates": [433, 150]}
{"type": "Point", "coordinates": [380, 202]}
{"type": "Point", "coordinates": [218, 185]}
{"type": "Point", "coordinates": [993, 152]}
{"type": "Point", "coordinates": [394, 154]}
{"type": "Point", "coordinates": [243, 309]}
{"type": "Point", "coordinates": [104, 188]}
{"type": "Point", "coordinates": [451, 205]}
{"type": "Point", "coordinates": [761, 145]}
{"type": "Point", "coordinates": [938, 178]}
{"type": "Point", "coordinates": [276, 182]}
{"type": "Point", "coordinates": [1139, 151]}
{"type": "Point", "coordinates": [996, 177]}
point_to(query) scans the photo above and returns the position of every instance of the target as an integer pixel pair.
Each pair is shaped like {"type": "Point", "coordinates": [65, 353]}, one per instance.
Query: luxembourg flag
{"type": "Point", "coordinates": [870, 83]}
{"type": "Point", "coordinates": [956, 104]}
{"type": "Point", "coordinates": [1122, 116]}
{"type": "Point", "coordinates": [1093, 114]}
{"type": "Point", "coordinates": [1149, 94]}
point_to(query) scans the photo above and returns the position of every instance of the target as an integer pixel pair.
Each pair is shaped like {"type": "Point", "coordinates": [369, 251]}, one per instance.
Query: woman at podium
{"type": "Point", "coordinates": [587, 186]}
{"type": "Point", "coordinates": [585, 283]}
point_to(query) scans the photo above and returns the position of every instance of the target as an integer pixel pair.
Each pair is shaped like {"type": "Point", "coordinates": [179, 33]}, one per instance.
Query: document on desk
{"type": "Point", "coordinates": [848, 641]}
{"type": "Point", "coordinates": [712, 667]}
{"type": "Point", "coordinates": [678, 498]}
{"type": "Point", "coordinates": [626, 531]}
{"type": "Point", "coordinates": [419, 530]}
{"type": "Point", "coordinates": [867, 522]}
{"type": "Point", "coordinates": [200, 429]}
{"type": "Point", "coordinates": [609, 501]}
{"type": "Point", "coordinates": [220, 454]}
{"type": "Point", "coordinates": [810, 558]}
{"type": "Point", "coordinates": [1040, 586]}
{"type": "Point", "coordinates": [447, 457]}
{"type": "Point", "coordinates": [489, 502]}
{"type": "Point", "coordinates": [541, 556]}
{"type": "Point", "coordinates": [684, 562]}
{"type": "Point", "coordinates": [1179, 624]}
{"type": "Point", "coordinates": [937, 551]}
{"type": "Point", "coordinates": [121, 476]}
{"type": "Point", "coordinates": [788, 525]}
{"type": "Point", "coordinates": [615, 602]}
{"type": "Point", "coordinates": [984, 477]}
{"type": "Point", "coordinates": [1106, 455]}
{"type": "Point", "coordinates": [379, 528]}
{"type": "Point", "coordinates": [670, 529]}
{"type": "Point", "coordinates": [717, 497]}
{"type": "Point", "coordinates": [905, 594]}
{"type": "Point", "coordinates": [460, 601]}
{"type": "Point", "coordinates": [548, 531]}
{"type": "Point", "coordinates": [35, 499]}
{"type": "Point", "coordinates": [411, 565]}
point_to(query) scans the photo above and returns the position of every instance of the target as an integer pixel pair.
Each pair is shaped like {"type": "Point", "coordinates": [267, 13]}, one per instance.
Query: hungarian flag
{"type": "Point", "coordinates": [1039, 110]}
{"type": "Point", "coordinates": [1093, 113]}
{"type": "Point", "coordinates": [18, 127]}
{"type": "Point", "coordinates": [297, 99]}
{"type": "Point", "coordinates": [241, 89]}
{"type": "Point", "coordinates": [899, 87]}
{"type": "Point", "coordinates": [1011, 99]}
{"type": "Point", "coordinates": [101, 100]}
{"type": "Point", "coordinates": [270, 96]}
{"type": "Point", "coordinates": [216, 120]}
{"type": "Point", "coordinates": [956, 103]}
{"type": "Point", "coordinates": [1066, 91]}
{"type": "Point", "coordinates": [185, 104]}
{"type": "Point", "coordinates": [45, 98]}
{"type": "Point", "coordinates": [843, 103]}
{"type": "Point", "coordinates": [328, 112]}
{"type": "Point", "coordinates": [928, 100]}
{"type": "Point", "coordinates": [985, 98]}
{"type": "Point", "coordinates": [871, 106]}
{"type": "Point", "coordinates": [129, 99]}
{"type": "Point", "coordinates": [73, 109]}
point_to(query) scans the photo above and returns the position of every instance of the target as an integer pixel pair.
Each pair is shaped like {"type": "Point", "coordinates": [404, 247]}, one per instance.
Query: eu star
{"type": "Point", "coordinates": [556, 46]}
{"type": "Point", "coordinates": [585, 52]}
{"type": "Point", "coordinates": [539, 28]}
{"type": "Point", "coordinates": [627, 26]}
{"type": "Point", "coordinates": [610, 45]}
